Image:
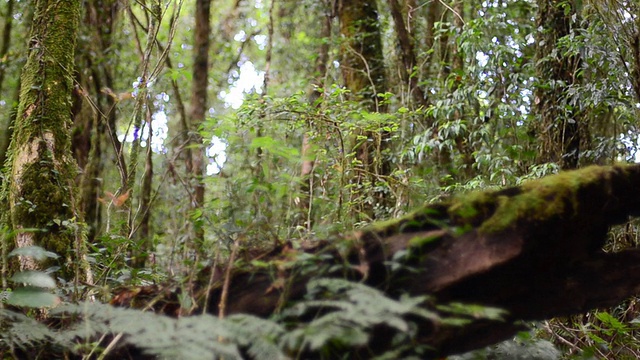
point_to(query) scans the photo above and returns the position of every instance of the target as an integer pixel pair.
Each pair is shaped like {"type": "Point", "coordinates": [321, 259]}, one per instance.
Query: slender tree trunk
{"type": "Point", "coordinates": [306, 188]}
{"type": "Point", "coordinates": [199, 108]}
{"type": "Point", "coordinates": [457, 64]}
{"type": "Point", "coordinates": [558, 125]}
{"type": "Point", "coordinates": [443, 46]}
{"type": "Point", "coordinates": [140, 115]}
{"type": "Point", "coordinates": [42, 192]}
{"type": "Point", "coordinates": [144, 232]}
{"type": "Point", "coordinates": [363, 72]}
{"type": "Point", "coordinates": [458, 23]}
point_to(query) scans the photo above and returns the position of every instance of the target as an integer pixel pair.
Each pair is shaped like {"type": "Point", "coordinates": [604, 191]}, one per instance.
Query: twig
{"type": "Point", "coordinates": [453, 11]}
{"type": "Point", "coordinates": [227, 280]}
{"type": "Point", "coordinates": [110, 347]}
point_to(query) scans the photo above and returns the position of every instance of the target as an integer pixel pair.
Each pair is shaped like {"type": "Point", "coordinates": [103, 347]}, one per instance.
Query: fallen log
{"type": "Point", "coordinates": [534, 251]}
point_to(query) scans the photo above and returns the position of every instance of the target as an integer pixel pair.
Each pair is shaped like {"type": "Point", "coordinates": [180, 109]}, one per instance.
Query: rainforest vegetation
{"type": "Point", "coordinates": [326, 179]}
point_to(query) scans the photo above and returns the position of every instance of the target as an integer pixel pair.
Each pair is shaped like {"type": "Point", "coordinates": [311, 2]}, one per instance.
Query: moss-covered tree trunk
{"type": "Point", "coordinates": [5, 123]}
{"type": "Point", "coordinates": [362, 66]}
{"type": "Point", "coordinates": [41, 187]}
{"type": "Point", "coordinates": [558, 126]}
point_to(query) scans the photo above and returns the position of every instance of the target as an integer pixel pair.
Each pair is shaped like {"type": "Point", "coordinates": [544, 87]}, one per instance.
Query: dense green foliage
{"type": "Point", "coordinates": [282, 139]}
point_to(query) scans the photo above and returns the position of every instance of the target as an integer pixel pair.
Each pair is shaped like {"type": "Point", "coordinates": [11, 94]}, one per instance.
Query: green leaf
{"type": "Point", "coordinates": [611, 321]}
{"type": "Point", "coordinates": [34, 252]}
{"type": "Point", "coordinates": [34, 278]}
{"type": "Point", "coordinates": [32, 297]}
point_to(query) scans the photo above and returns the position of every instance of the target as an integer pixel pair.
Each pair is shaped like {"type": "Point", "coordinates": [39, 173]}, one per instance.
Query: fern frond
{"type": "Point", "coordinates": [346, 314]}
{"type": "Point", "coordinates": [158, 335]}
{"type": "Point", "coordinates": [21, 331]}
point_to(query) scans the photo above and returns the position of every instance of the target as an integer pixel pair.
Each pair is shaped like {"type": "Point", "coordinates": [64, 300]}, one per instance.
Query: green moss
{"type": "Point", "coordinates": [39, 186]}
{"type": "Point", "coordinates": [422, 241]}
{"type": "Point", "coordinates": [420, 219]}
{"type": "Point", "coordinates": [542, 200]}
{"type": "Point", "coordinates": [538, 200]}
{"type": "Point", "coordinates": [42, 200]}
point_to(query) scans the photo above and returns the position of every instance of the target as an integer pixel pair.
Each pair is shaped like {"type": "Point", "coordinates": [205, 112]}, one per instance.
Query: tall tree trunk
{"type": "Point", "coordinates": [42, 176]}
{"type": "Point", "coordinates": [443, 46]}
{"type": "Point", "coordinates": [199, 108]}
{"type": "Point", "coordinates": [558, 124]}
{"type": "Point", "coordinates": [362, 60]}
{"type": "Point", "coordinates": [5, 123]}
{"type": "Point", "coordinates": [458, 23]}
{"type": "Point", "coordinates": [144, 234]}
{"type": "Point", "coordinates": [407, 54]}
{"type": "Point", "coordinates": [96, 79]}
{"type": "Point", "coordinates": [457, 65]}
{"type": "Point", "coordinates": [433, 11]}
{"type": "Point", "coordinates": [363, 72]}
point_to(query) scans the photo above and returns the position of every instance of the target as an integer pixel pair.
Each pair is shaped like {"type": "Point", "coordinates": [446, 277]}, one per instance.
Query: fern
{"type": "Point", "coordinates": [260, 337]}
{"type": "Point", "coordinates": [20, 331]}
{"type": "Point", "coordinates": [348, 313]}
{"type": "Point", "coordinates": [195, 337]}
{"type": "Point", "coordinates": [337, 318]}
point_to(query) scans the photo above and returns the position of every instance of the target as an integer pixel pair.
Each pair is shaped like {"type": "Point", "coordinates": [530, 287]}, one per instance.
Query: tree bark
{"type": "Point", "coordinates": [198, 109]}
{"type": "Point", "coordinates": [559, 121]}
{"type": "Point", "coordinates": [362, 67]}
{"type": "Point", "coordinates": [433, 10]}
{"type": "Point", "coordinates": [5, 123]}
{"type": "Point", "coordinates": [41, 187]}
{"type": "Point", "coordinates": [407, 54]}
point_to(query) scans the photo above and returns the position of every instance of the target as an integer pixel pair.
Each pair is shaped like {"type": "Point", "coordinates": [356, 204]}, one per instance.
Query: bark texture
{"type": "Point", "coordinates": [5, 123]}
{"type": "Point", "coordinates": [557, 70]}
{"type": "Point", "coordinates": [362, 66]}
{"type": "Point", "coordinates": [41, 189]}
{"type": "Point", "coordinates": [407, 54]}
{"type": "Point", "coordinates": [196, 165]}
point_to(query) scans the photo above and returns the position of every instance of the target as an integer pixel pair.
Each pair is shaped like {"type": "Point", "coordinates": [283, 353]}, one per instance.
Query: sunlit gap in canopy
{"type": "Point", "coordinates": [243, 81]}
{"type": "Point", "coordinates": [483, 59]}
{"type": "Point", "coordinates": [158, 123]}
